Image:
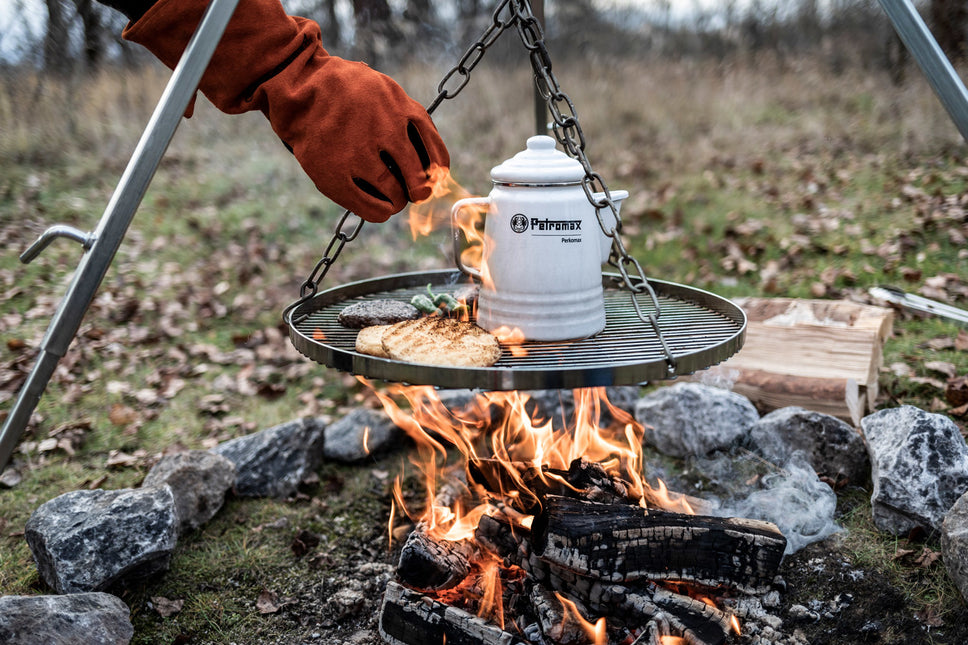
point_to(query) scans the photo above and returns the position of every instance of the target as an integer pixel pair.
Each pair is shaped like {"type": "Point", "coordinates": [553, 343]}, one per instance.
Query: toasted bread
{"type": "Point", "coordinates": [441, 341]}
{"type": "Point", "coordinates": [369, 340]}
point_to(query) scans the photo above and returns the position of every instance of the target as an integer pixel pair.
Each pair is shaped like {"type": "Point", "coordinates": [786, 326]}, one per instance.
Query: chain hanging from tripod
{"type": "Point", "coordinates": [568, 133]}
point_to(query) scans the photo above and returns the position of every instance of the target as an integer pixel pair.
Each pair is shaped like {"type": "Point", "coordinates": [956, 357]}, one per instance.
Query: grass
{"type": "Point", "coordinates": [745, 180]}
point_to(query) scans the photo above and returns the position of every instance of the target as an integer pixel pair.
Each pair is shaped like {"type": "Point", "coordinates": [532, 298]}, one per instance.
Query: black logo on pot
{"type": "Point", "coordinates": [519, 223]}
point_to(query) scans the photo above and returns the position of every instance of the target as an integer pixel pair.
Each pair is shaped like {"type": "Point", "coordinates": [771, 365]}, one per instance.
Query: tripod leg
{"type": "Point", "coordinates": [106, 239]}
{"type": "Point", "coordinates": [936, 67]}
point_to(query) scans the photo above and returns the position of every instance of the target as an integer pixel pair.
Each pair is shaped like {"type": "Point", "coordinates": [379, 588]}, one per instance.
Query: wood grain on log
{"type": "Point", "coordinates": [409, 617]}
{"type": "Point", "coordinates": [624, 543]}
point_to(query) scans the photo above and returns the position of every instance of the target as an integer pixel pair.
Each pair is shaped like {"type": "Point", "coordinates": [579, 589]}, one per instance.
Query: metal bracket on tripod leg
{"type": "Point", "coordinates": [102, 245]}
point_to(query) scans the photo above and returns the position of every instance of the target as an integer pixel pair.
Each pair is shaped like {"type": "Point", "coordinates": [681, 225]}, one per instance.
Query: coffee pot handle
{"type": "Point", "coordinates": [456, 231]}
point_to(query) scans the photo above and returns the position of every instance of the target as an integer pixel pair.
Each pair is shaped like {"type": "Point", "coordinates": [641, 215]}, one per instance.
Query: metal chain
{"type": "Point", "coordinates": [569, 134]}
{"type": "Point", "coordinates": [501, 19]}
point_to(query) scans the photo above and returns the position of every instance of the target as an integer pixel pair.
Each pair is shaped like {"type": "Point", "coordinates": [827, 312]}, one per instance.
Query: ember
{"type": "Point", "coordinates": [546, 534]}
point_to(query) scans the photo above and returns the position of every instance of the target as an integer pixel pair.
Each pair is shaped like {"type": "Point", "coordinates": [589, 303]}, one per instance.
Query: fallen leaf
{"type": "Point", "coordinates": [165, 607]}
{"type": "Point", "coordinates": [940, 343]}
{"type": "Point", "coordinates": [122, 415]}
{"type": "Point", "coordinates": [961, 342]}
{"type": "Point", "coordinates": [927, 558]}
{"type": "Point", "coordinates": [267, 603]}
{"type": "Point", "coordinates": [956, 391]}
{"type": "Point", "coordinates": [9, 478]}
{"type": "Point", "coordinates": [942, 367]}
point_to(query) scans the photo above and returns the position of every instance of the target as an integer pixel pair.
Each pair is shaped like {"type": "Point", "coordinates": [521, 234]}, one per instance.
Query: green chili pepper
{"type": "Point", "coordinates": [423, 303]}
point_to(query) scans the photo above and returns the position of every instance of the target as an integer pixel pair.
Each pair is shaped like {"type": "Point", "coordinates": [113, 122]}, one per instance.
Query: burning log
{"type": "Point", "coordinates": [528, 485]}
{"type": "Point", "coordinates": [410, 618]}
{"type": "Point", "coordinates": [427, 563]}
{"type": "Point", "coordinates": [620, 542]}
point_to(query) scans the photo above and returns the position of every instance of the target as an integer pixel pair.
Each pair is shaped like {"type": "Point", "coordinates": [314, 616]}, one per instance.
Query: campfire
{"type": "Point", "coordinates": [545, 531]}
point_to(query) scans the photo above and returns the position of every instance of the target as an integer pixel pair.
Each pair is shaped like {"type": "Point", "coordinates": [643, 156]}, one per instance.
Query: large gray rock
{"type": "Point", "coordinates": [198, 479]}
{"type": "Point", "coordinates": [89, 618]}
{"type": "Point", "coordinates": [692, 419]}
{"type": "Point", "coordinates": [954, 544]}
{"type": "Point", "coordinates": [361, 433]}
{"type": "Point", "coordinates": [834, 448]}
{"type": "Point", "coordinates": [272, 462]}
{"type": "Point", "coordinates": [919, 467]}
{"type": "Point", "coordinates": [88, 540]}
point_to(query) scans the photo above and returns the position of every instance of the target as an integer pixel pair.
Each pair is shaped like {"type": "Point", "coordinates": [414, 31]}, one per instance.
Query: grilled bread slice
{"type": "Point", "coordinates": [369, 340]}
{"type": "Point", "coordinates": [441, 341]}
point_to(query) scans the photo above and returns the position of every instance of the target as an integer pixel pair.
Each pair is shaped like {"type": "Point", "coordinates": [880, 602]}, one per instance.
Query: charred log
{"type": "Point", "coordinates": [620, 542]}
{"type": "Point", "coordinates": [428, 563]}
{"type": "Point", "coordinates": [411, 618]}
{"type": "Point", "coordinates": [526, 486]}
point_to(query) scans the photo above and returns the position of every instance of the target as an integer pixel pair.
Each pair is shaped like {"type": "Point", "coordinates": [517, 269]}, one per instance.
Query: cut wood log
{"type": "Point", "coordinates": [409, 617]}
{"type": "Point", "coordinates": [806, 352]}
{"type": "Point", "coordinates": [427, 563]}
{"type": "Point", "coordinates": [624, 543]}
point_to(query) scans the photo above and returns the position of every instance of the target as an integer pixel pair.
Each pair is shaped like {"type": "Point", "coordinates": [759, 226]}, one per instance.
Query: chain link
{"type": "Point", "coordinates": [568, 132]}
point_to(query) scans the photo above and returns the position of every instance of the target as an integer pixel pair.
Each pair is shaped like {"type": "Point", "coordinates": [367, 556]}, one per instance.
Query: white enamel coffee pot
{"type": "Point", "coordinates": [544, 248]}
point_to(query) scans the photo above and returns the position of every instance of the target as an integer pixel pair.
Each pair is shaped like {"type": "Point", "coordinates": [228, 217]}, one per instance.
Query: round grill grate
{"type": "Point", "coordinates": [700, 328]}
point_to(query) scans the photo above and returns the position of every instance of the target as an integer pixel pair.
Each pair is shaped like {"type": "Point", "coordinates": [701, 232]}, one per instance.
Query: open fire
{"type": "Point", "coordinates": [544, 531]}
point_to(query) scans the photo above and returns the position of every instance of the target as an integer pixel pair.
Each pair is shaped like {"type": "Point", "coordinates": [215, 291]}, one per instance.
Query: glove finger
{"type": "Point", "coordinates": [388, 187]}
{"type": "Point", "coordinates": [369, 202]}
{"type": "Point", "coordinates": [416, 164]}
{"type": "Point", "coordinates": [423, 133]}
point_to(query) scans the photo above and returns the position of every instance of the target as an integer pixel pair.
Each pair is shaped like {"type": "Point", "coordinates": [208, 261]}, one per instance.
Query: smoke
{"type": "Point", "coordinates": [789, 495]}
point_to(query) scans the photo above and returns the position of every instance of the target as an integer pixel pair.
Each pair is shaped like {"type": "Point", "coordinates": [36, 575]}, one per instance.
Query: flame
{"type": "Point", "coordinates": [430, 214]}
{"type": "Point", "coordinates": [672, 640]}
{"type": "Point", "coordinates": [492, 605]}
{"type": "Point", "coordinates": [507, 455]}
{"type": "Point", "coordinates": [596, 631]}
{"type": "Point", "coordinates": [734, 623]}
{"type": "Point", "coordinates": [318, 334]}
{"type": "Point", "coordinates": [677, 502]}
{"type": "Point", "coordinates": [366, 439]}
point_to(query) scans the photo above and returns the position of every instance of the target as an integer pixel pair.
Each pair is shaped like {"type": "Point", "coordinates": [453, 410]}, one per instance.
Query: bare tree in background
{"type": "Point", "coordinates": [57, 58]}
{"type": "Point", "coordinates": [949, 22]}
{"type": "Point", "coordinates": [92, 23]}
{"type": "Point", "coordinates": [375, 31]}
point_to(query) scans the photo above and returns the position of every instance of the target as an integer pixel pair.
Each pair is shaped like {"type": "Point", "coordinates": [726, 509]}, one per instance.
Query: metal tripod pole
{"type": "Point", "coordinates": [102, 245]}
{"type": "Point", "coordinates": [918, 40]}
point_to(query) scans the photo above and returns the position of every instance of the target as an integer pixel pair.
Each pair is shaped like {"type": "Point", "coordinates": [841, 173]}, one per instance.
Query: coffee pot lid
{"type": "Point", "coordinates": [541, 164]}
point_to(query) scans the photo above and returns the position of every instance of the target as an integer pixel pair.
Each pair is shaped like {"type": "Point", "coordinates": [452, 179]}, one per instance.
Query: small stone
{"type": "Point", "coordinates": [198, 480]}
{"type": "Point", "coordinates": [88, 540]}
{"type": "Point", "coordinates": [358, 435]}
{"type": "Point", "coordinates": [692, 419]}
{"type": "Point", "coordinates": [91, 618]}
{"type": "Point", "coordinates": [272, 462]}
{"type": "Point", "coordinates": [919, 467]}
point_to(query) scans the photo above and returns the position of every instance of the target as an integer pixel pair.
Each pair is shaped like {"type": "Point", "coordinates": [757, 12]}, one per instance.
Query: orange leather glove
{"type": "Point", "coordinates": [363, 141]}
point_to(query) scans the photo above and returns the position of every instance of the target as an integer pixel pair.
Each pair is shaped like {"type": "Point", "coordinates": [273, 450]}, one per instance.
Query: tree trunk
{"type": "Point", "coordinates": [375, 32]}
{"type": "Point", "coordinates": [56, 41]}
{"type": "Point", "coordinates": [93, 33]}
{"type": "Point", "coordinates": [949, 19]}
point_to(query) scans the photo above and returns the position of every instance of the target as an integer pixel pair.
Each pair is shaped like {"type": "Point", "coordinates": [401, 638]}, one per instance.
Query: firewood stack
{"type": "Point", "coordinates": [590, 552]}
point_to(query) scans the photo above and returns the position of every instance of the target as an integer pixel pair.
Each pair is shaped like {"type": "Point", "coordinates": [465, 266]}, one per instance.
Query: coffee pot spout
{"type": "Point", "coordinates": [606, 219]}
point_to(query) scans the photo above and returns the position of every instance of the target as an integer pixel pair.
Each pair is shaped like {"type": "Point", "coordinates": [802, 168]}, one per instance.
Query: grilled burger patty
{"type": "Point", "coordinates": [441, 341]}
{"type": "Point", "coordinates": [376, 312]}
